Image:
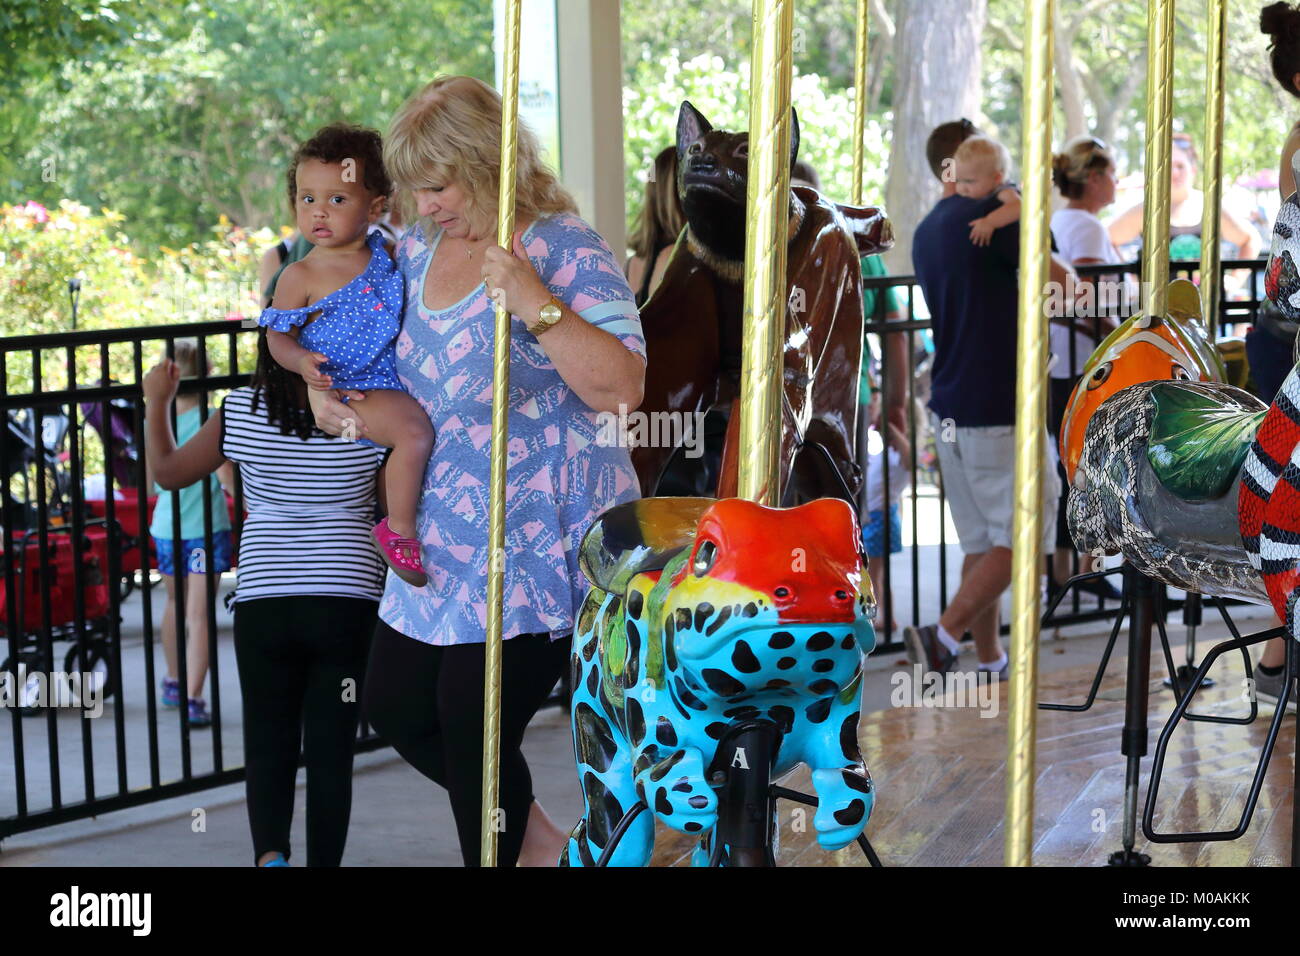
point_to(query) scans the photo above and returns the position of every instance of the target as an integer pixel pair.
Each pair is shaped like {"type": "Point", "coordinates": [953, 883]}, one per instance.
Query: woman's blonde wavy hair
{"type": "Point", "coordinates": [450, 131]}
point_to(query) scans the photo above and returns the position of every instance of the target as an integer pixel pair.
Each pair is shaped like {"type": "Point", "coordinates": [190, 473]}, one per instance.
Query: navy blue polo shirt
{"type": "Point", "coordinates": [971, 292]}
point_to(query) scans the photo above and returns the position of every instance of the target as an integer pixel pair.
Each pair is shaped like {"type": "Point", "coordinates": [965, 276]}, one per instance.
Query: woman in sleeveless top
{"type": "Point", "coordinates": [1185, 205]}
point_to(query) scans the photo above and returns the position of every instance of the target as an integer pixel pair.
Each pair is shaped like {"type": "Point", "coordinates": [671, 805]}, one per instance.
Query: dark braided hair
{"type": "Point", "coordinates": [1281, 21]}
{"type": "Point", "coordinates": [279, 388]}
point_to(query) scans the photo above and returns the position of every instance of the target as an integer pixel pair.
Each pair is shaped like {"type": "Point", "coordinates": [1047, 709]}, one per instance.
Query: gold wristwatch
{"type": "Point", "coordinates": [550, 314]}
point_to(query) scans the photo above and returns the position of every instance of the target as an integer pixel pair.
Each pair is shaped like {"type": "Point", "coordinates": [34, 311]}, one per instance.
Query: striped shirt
{"type": "Point", "coordinates": [311, 505]}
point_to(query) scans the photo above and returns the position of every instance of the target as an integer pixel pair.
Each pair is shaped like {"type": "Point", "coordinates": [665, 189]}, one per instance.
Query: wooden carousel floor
{"type": "Point", "coordinates": [940, 782]}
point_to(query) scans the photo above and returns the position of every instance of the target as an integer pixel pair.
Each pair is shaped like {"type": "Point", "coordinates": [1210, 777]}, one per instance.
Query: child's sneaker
{"type": "Point", "coordinates": [199, 716]}
{"type": "Point", "coordinates": [171, 692]}
{"type": "Point", "coordinates": [401, 554]}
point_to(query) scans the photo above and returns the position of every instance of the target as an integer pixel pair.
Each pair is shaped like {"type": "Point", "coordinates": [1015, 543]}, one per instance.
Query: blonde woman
{"type": "Point", "coordinates": [1085, 174]}
{"type": "Point", "coordinates": [657, 228]}
{"type": "Point", "coordinates": [576, 351]}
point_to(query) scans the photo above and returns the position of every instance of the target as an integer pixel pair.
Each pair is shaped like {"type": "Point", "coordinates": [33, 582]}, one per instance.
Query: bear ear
{"type": "Point", "coordinates": [691, 125]}
{"type": "Point", "coordinates": [642, 535]}
{"type": "Point", "coordinates": [794, 136]}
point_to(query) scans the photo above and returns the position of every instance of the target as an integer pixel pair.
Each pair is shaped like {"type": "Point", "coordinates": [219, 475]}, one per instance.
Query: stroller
{"type": "Point", "coordinates": [30, 460]}
{"type": "Point", "coordinates": [32, 578]}
{"type": "Point", "coordinates": [121, 459]}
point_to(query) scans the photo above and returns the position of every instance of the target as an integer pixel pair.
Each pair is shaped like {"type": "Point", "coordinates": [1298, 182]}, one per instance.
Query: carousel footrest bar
{"type": "Point", "coordinates": [1055, 601]}
{"type": "Point", "coordinates": [1101, 668]}
{"type": "Point", "coordinates": [1249, 641]}
{"type": "Point", "coordinates": [785, 793]}
{"type": "Point", "coordinates": [1257, 782]}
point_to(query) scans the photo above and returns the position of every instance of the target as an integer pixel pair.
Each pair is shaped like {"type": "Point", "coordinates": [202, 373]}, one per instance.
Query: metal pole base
{"type": "Point", "coordinates": [1186, 674]}
{"type": "Point", "coordinates": [1128, 858]}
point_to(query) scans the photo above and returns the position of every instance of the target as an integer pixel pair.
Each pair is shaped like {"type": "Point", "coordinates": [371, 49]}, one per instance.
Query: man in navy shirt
{"type": "Point", "coordinates": [971, 291]}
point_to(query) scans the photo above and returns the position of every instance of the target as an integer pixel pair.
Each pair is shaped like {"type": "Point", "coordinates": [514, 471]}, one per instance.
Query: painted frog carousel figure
{"type": "Point", "coordinates": [705, 615]}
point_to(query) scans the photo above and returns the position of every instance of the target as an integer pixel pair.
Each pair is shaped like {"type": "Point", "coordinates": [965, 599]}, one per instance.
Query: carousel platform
{"type": "Point", "coordinates": [940, 775]}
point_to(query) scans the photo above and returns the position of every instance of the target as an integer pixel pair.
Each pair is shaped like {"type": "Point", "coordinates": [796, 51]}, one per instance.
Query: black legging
{"type": "Point", "coordinates": [427, 701]}
{"type": "Point", "coordinates": [296, 656]}
{"type": "Point", "coordinates": [1059, 390]}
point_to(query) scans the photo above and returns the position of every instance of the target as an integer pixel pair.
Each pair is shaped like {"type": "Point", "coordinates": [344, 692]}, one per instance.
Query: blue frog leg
{"type": "Point", "coordinates": [840, 778]}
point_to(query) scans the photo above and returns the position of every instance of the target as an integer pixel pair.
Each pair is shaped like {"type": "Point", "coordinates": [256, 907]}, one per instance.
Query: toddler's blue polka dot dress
{"type": "Point", "coordinates": [357, 325]}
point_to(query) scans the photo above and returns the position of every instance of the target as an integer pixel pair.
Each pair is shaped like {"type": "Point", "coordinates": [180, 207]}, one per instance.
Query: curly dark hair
{"type": "Point", "coordinates": [334, 144]}
{"type": "Point", "coordinates": [1281, 21]}
{"type": "Point", "coordinates": [281, 390]}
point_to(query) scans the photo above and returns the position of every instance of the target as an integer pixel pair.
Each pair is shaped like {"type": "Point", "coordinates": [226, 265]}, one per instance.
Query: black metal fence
{"type": "Point", "coordinates": [77, 571]}
{"type": "Point", "coordinates": [80, 604]}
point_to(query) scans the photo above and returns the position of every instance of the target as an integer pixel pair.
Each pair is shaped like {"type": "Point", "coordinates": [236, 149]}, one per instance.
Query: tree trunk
{"type": "Point", "coordinates": [936, 79]}
{"type": "Point", "coordinates": [1067, 75]}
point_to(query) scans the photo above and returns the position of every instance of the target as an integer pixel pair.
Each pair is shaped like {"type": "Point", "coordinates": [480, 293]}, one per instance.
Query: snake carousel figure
{"type": "Point", "coordinates": [1195, 484]}
{"type": "Point", "coordinates": [707, 616]}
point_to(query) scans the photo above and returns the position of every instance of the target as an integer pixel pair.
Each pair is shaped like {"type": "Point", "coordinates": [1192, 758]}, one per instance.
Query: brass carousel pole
{"type": "Point", "coordinates": [1031, 415]}
{"type": "Point", "coordinates": [1211, 273]}
{"type": "Point", "coordinates": [1141, 590]}
{"type": "Point", "coordinates": [859, 101]}
{"type": "Point", "coordinates": [497, 483]}
{"type": "Point", "coordinates": [1159, 121]}
{"type": "Point", "coordinates": [768, 211]}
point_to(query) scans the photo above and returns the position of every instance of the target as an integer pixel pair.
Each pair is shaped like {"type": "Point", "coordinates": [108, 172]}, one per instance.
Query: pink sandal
{"type": "Point", "coordinates": [401, 554]}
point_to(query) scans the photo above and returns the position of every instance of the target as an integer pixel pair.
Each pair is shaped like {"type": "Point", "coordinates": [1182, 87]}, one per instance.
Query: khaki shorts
{"type": "Point", "coordinates": [978, 469]}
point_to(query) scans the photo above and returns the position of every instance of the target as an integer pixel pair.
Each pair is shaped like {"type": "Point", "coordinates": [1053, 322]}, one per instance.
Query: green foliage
{"type": "Point", "coordinates": [40, 250]}
{"type": "Point", "coordinates": [37, 36]}
{"type": "Point", "coordinates": [652, 98]}
{"type": "Point", "coordinates": [1110, 49]}
{"type": "Point", "coordinates": [196, 114]}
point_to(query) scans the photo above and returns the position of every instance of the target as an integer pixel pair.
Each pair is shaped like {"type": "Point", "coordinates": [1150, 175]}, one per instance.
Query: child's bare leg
{"type": "Point", "coordinates": [396, 420]}
{"type": "Point", "coordinates": [169, 626]}
{"type": "Point", "coordinates": [876, 571]}
{"type": "Point", "coordinates": [196, 632]}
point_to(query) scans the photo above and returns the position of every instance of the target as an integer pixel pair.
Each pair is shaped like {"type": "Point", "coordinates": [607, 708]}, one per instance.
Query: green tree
{"type": "Point", "coordinates": [195, 116]}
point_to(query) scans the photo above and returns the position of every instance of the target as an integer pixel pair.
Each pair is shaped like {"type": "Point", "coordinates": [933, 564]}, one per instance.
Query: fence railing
{"type": "Point", "coordinates": [81, 606]}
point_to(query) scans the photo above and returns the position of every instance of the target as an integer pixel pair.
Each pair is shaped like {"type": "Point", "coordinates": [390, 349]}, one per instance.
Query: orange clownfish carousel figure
{"type": "Point", "coordinates": [1141, 349]}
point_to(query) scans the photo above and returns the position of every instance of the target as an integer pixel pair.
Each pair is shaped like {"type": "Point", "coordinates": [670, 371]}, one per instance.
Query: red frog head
{"type": "Point", "coordinates": [771, 600]}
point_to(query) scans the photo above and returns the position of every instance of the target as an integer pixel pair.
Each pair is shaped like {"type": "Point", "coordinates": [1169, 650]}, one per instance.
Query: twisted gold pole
{"type": "Point", "coordinates": [1216, 12]}
{"type": "Point", "coordinates": [1160, 105]}
{"type": "Point", "coordinates": [1031, 415]}
{"type": "Point", "coordinates": [497, 484]}
{"type": "Point", "coordinates": [859, 101]}
{"type": "Point", "coordinates": [768, 210]}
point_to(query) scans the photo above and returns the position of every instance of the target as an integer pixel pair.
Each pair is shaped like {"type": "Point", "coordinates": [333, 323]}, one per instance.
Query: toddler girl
{"type": "Point", "coordinates": [981, 164]}
{"type": "Point", "coordinates": [338, 310]}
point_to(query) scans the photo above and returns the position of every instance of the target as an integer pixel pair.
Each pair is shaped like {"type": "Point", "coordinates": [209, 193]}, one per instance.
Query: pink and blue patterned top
{"type": "Point", "coordinates": [357, 325]}
{"type": "Point", "coordinates": [559, 477]}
